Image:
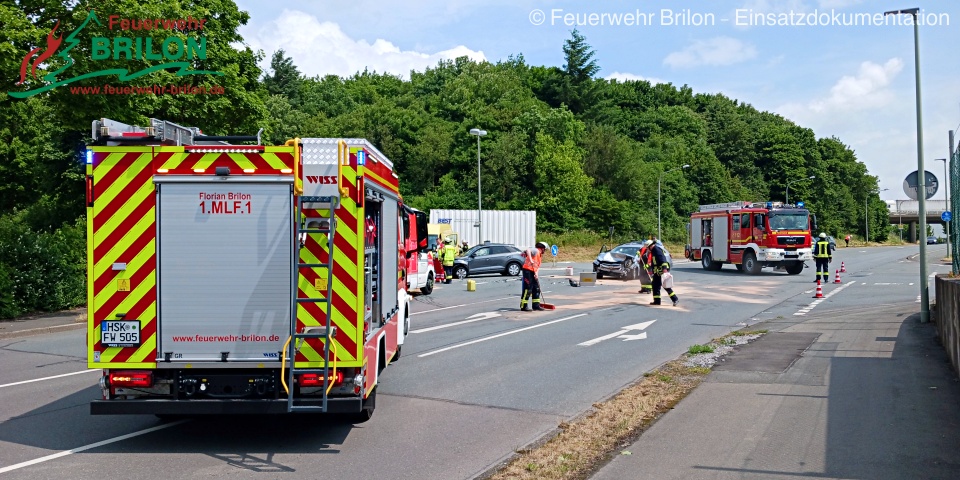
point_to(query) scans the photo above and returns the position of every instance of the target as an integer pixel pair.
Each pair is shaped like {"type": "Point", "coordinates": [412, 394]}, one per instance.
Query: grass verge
{"type": "Point", "coordinates": [582, 446]}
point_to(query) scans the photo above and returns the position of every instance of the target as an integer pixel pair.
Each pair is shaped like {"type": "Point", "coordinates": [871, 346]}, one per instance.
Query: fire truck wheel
{"type": "Point", "coordinates": [739, 267]}
{"type": "Point", "coordinates": [750, 263]}
{"type": "Point", "coordinates": [708, 264]}
{"type": "Point", "coordinates": [427, 289]}
{"type": "Point", "coordinates": [368, 406]}
{"type": "Point", "coordinates": [794, 268]}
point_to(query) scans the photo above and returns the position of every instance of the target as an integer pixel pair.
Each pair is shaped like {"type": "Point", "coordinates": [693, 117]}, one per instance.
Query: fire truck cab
{"type": "Point", "coordinates": [750, 235]}
{"type": "Point", "coordinates": [421, 272]}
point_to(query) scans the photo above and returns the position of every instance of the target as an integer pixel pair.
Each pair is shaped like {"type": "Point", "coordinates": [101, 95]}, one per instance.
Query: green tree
{"type": "Point", "coordinates": [285, 79]}
{"type": "Point", "coordinates": [560, 186]}
{"type": "Point", "coordinates": [573, 85]}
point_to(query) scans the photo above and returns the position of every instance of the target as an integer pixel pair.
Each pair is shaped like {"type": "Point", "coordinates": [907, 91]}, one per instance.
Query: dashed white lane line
{"type": "Point", "coordinates": [88, 447]}
{"type": "Point", "coordinates": [491, 337]}
{"type": "Point", "coordinates": [48, 378]}
{"type": "Point", "coordinates": [813, 304]}
{"type": "Point", "coordinates": [463, 305]}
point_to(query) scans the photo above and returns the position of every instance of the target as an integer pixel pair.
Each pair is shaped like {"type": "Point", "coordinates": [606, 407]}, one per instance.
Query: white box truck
{"type": "Point", "coordinates": [513, 227]}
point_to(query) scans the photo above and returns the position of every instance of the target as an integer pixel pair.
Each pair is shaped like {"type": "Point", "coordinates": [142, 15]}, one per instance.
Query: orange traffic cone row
{"type": "Point", "coordinates": [836, 279]}
{"type": "Point", "coordinates": [843, 268]}
{"type": "Point", "coordinates": [819, 290]}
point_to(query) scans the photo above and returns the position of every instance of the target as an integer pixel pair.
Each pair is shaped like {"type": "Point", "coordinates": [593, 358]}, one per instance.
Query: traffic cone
{"type": "Point", "coordinates": [836, 279]}
{"type": "Point", "coordinates": [819, 290]}
{"type": "Point", "coordinates": [843, 268]}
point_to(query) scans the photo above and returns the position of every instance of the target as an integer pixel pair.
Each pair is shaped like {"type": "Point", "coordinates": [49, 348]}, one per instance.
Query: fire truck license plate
{"type": "Point", "coordinates": [120, 333]}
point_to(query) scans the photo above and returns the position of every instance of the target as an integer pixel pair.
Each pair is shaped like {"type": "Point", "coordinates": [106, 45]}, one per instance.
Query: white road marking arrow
{"type": "Point", "coordinates": [621, 334]}
{"type": "Point", "coordinates": [472, 318]}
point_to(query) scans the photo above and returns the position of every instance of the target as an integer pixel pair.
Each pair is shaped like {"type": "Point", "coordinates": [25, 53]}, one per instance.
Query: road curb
{"type": "Point", "coordinates": [38, 331]}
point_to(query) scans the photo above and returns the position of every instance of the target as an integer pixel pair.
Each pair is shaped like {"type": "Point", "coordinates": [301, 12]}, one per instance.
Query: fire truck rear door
{"type": "Point", "coordinates": [224, 250]}
{"type": "Point", "coordinates": [721, 238]}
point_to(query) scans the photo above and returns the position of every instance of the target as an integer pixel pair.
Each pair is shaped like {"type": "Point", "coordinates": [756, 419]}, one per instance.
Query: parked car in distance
{"type": "Point", "coordinates": [931, 240]}
{"type": "Point", "coordinates": [621, 261]}
{"type": "Point", "coordinates": [832, 241]}
{"type": "Point", "coordinates": [488, 258]}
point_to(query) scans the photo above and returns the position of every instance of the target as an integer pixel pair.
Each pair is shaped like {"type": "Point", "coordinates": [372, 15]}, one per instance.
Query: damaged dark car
{"type": "Point", "coordinates": [619, 262]}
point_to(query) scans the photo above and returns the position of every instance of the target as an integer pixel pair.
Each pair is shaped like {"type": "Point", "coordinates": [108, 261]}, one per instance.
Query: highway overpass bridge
{"type": "Point", "coordinates": [906, 213]}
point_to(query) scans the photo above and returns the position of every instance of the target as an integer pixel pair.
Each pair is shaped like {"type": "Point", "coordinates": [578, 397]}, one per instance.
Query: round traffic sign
{"type": "Point", "coordinates": [554, 250]}
{"type": "Point", "coordinates": [911, 184]}
{"type": "Point", "coordinates": [946, 216]}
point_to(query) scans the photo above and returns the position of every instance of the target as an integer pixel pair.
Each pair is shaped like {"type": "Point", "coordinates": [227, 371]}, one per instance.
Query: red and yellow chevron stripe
{"type": "Point", "coordinates": [240, 160]}
{"type": "Point", "coordinates": [121, 229]}
{"type": "Point", "coordinates": [347, 303]}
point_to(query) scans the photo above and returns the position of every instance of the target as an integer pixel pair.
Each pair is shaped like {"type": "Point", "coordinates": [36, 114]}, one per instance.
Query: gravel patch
{"type": "Point", "coordinates": [721, 348]}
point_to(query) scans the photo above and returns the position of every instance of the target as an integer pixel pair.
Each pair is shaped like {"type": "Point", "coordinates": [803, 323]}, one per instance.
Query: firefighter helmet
{"type": "Point", "coordinates": [823, 235]}
{"type": "Point", "coordinates": [647, 243]}
{"type": "Point", "coordinates": [543, 245]}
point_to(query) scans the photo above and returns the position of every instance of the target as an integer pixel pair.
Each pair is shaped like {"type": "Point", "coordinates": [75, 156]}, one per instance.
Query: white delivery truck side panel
{"type": "Point", "coordinates": [513, 227]}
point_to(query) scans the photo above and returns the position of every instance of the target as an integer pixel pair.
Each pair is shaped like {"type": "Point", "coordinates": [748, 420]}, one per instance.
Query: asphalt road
{"type": "Point", "coordinates": [477, 379]}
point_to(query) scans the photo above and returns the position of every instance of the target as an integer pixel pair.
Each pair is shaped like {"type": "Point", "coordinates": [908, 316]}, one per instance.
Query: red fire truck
{"type": "Point", "coordinates": [421, 270]}
{"type": "Point", "coordinates": [751, 235]}
{"type": "Point", "coordinates": [228, 279]}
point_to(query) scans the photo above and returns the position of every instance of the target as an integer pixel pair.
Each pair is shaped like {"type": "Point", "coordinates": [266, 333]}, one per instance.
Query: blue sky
{"type": "Point", "coordinates": [855, 82]}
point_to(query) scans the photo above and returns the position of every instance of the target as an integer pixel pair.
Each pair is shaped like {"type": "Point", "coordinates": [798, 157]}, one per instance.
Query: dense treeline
{"type": "Point", "coordinates": [585, 152]}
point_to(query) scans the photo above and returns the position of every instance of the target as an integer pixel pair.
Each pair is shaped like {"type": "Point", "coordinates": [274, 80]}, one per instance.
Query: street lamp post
{"type": "Point", "coordinates": [479, 133]}
{"type": "Point", "coordinates": [866, 214]}
{"type": "Point", "coordinates": [921, 197]}
{"type": "Point", "coordinates": [658, 196]}
{"type": "Point", "coordinates": [946, 201]}
{"type": "Point", "coordinates": [787, 199]}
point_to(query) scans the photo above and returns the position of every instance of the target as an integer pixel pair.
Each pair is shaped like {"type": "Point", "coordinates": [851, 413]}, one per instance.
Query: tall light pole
{"type": "Point", "coordinates": [658, 196]}
{"type": "Point", "coordinates": [787, 200]}
{"type": "Point", "coordinates": [921, 194]}
{"type": "Point", "coordinates": [866, 212]}
{"type": "Point", "coordinates": [479, 133]}
{"type": "Point", "coordinates": [946, 201]}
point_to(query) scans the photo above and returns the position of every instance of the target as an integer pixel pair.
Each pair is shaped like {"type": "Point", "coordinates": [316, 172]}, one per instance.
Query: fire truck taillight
{"type": "Point", "coordinates": [315, 380]}
{"type": "Point", "coordinates": [89, 191]}
{"type": "Point", "coordinates": [131, 378]}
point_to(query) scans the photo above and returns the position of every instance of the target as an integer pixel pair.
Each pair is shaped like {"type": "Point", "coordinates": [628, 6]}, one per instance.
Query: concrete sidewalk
{"type": "Point", "coordinates": [46, 323]}
{"type": "Point", "coordinates": [870, 395]}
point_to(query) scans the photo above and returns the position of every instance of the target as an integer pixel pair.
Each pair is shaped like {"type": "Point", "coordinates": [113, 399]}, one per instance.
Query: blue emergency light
{"type": "Point", "coordinates": [799, 204]}
{"type": "Point", "coordinates": [89, 157]}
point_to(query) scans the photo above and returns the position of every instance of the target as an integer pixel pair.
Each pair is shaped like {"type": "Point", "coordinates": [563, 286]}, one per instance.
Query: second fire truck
{"type": "Point", "coordinates": [751, 235]}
